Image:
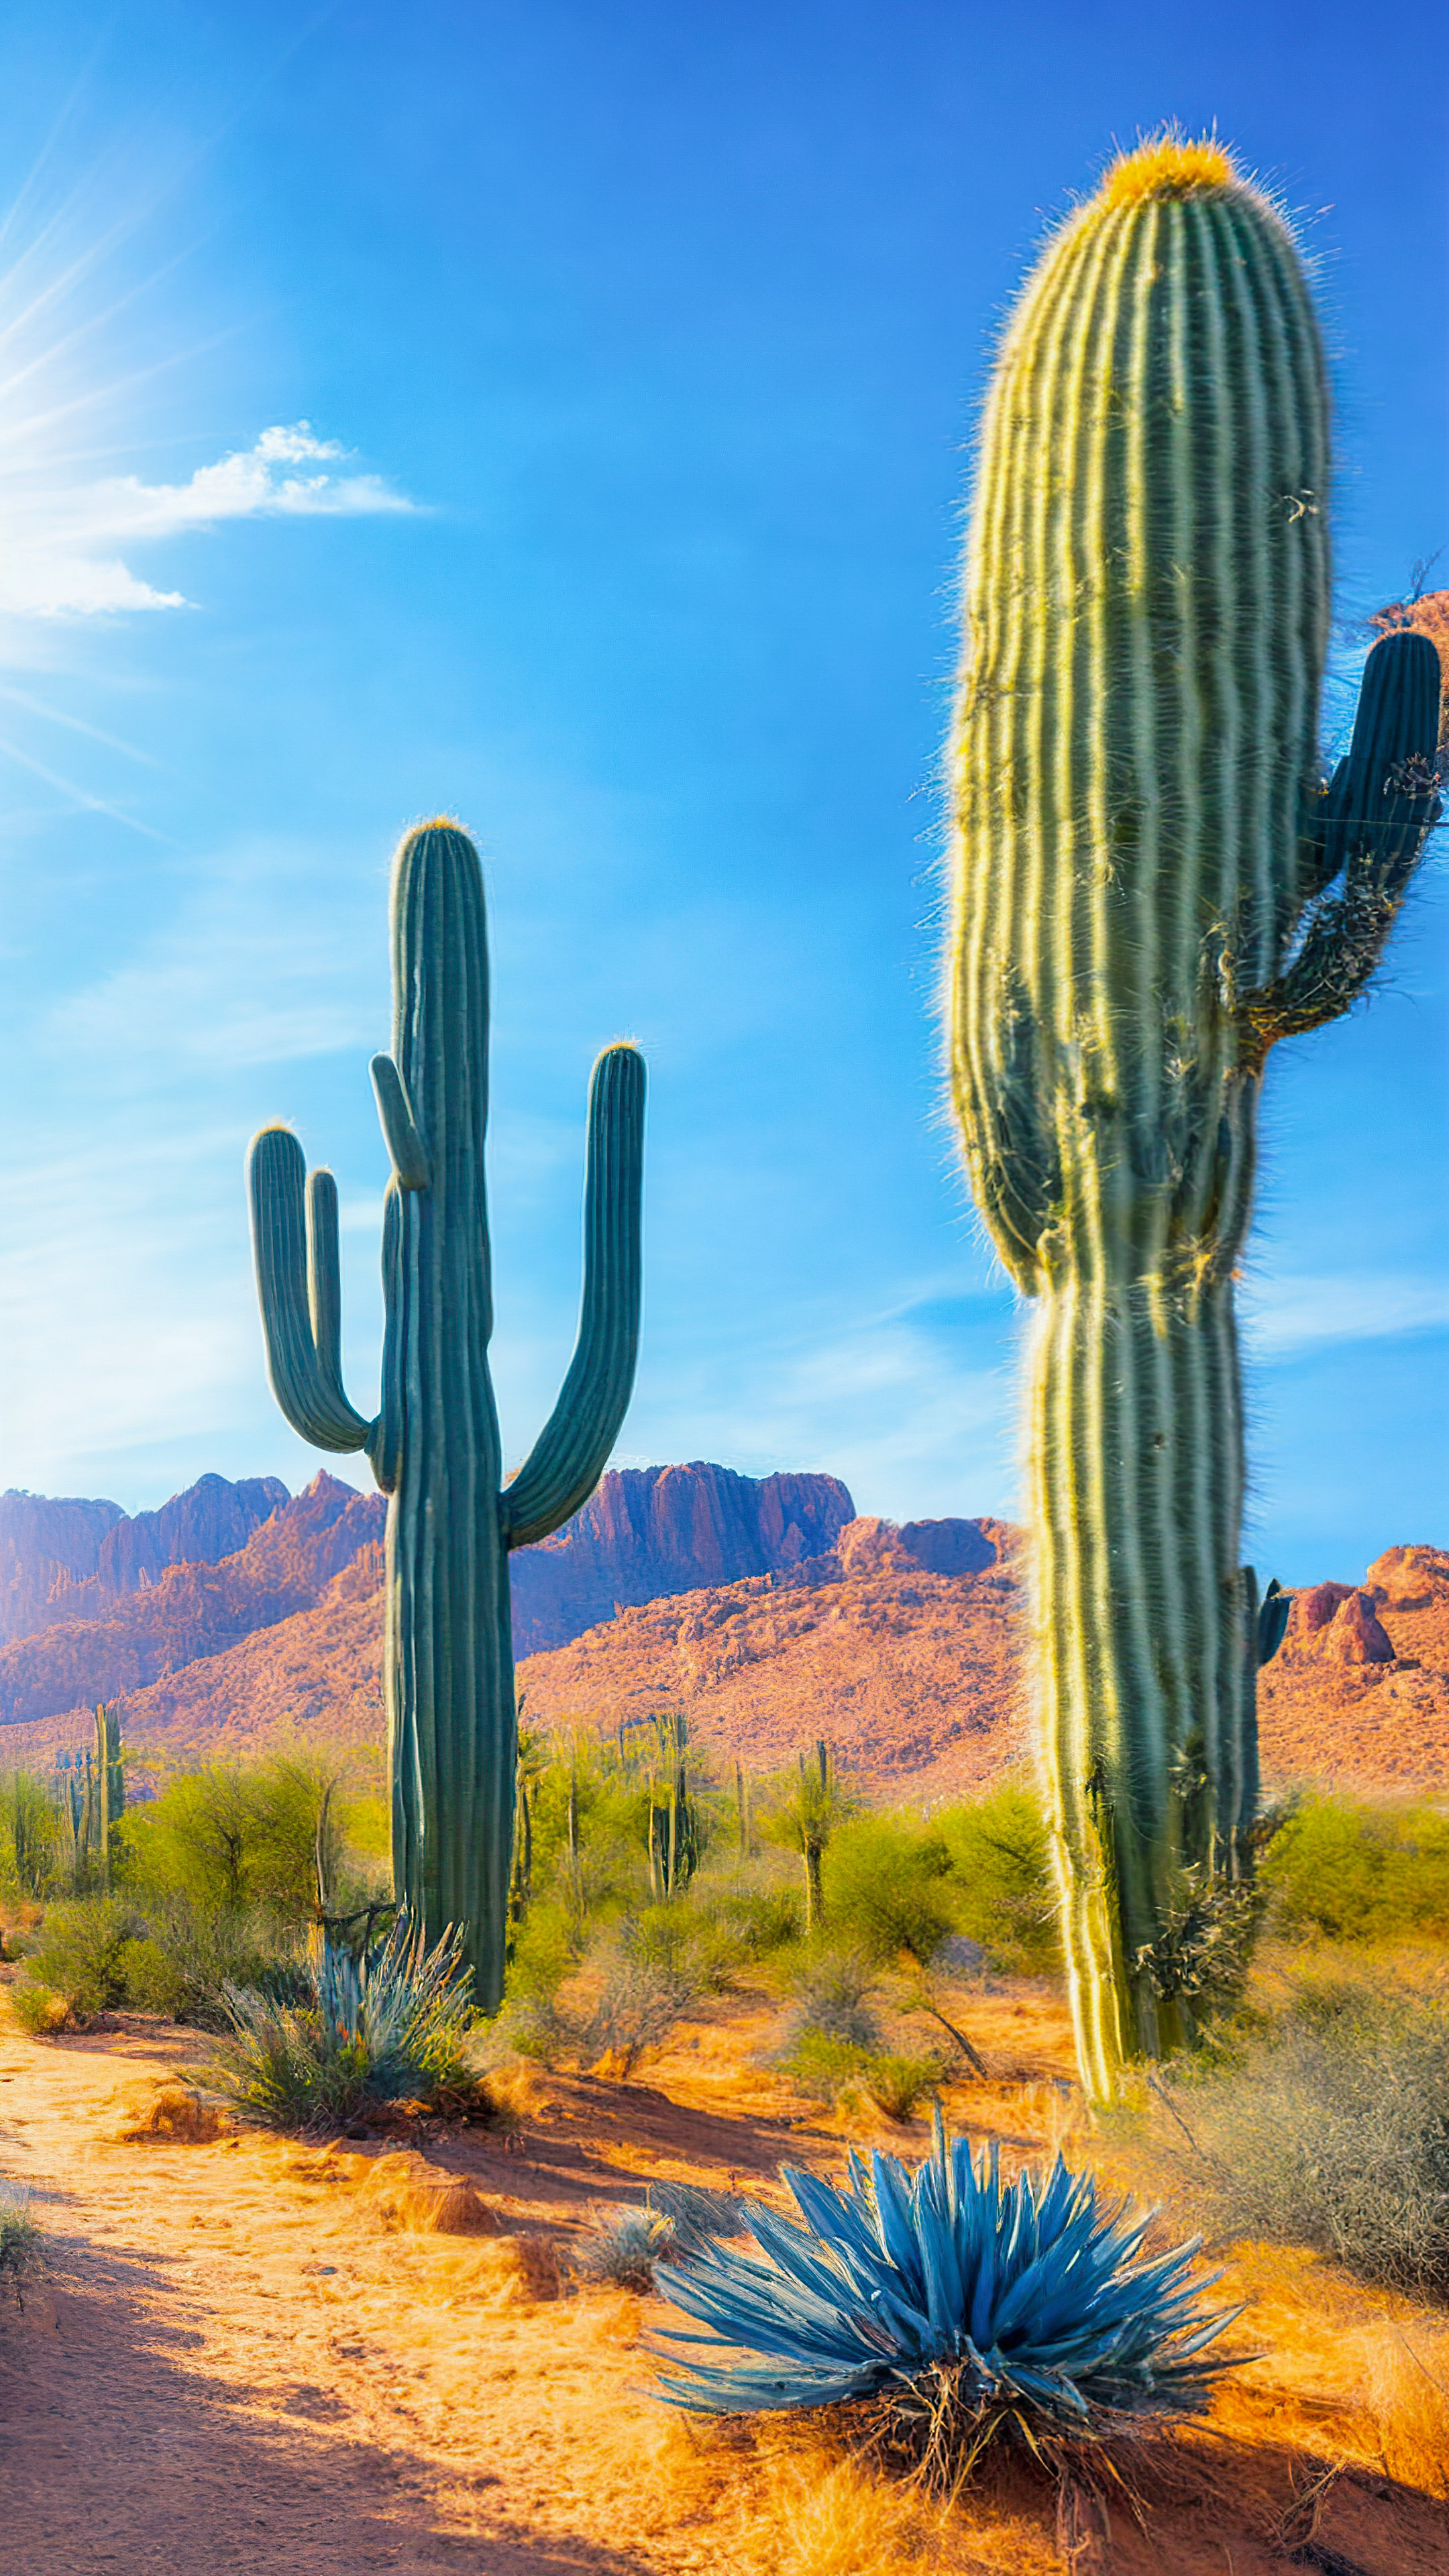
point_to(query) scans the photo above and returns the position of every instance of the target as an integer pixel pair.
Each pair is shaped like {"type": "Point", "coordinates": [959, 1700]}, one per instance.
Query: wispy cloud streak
{"type": "Point", "coordinates": [65, 559]}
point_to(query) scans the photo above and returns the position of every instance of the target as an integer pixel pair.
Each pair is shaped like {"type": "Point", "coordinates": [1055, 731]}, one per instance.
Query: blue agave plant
{"type": "Point", "coordinates": [967, 2305]}
{"type": "Point", "coordinates": [362, 2031]}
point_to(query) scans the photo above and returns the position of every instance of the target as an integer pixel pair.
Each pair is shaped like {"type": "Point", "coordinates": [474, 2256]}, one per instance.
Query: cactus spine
{"type": "Point", "coordinates": [1144, 901]}
{"type": "Point", "coordinates": [434, 1447]}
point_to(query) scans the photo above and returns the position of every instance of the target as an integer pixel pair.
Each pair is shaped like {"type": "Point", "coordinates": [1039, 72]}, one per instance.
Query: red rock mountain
{"type": "Point", "coordinates": [73, 1560]}
{"type": "Point", "coordinates": [903, 1647]}
{"type": "Point", "coordinates": [651, 1531]}
{"type": "Point", "coordinates": [191, 1611]}
{"type": "Point", "coordinates": [120, 1612]}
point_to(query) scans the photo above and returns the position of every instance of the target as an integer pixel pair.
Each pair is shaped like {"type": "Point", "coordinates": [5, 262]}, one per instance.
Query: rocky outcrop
{"type": "Point", "coordinates": [1339, 1621]}
{"type": "Point", "coordinates": [649, 1532]}
{"type": "Point", "coordinates": [63, 1559]}
{"type": "Point", "coordinates": [194, 1611]}
{"type": "Point", "coordinates": [212, 1519]}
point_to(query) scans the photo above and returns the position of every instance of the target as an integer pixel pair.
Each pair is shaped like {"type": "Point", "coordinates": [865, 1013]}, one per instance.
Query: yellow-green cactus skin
{"type": "Point", "coordinates": [1152, 885]}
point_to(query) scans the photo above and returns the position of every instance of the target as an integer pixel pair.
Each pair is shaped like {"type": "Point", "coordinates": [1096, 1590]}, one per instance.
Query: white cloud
{"type": "Point", "coordinates": [1291, 1313]}
{"type": "Point", "coordinates": [62, 553]}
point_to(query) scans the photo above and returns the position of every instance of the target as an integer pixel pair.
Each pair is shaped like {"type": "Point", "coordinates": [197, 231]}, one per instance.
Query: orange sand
{"type": "Point", "coordinates": [253, 2355]}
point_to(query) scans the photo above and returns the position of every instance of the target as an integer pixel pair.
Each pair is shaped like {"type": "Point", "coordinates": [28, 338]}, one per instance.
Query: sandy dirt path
{"type": "Point", "coordinates": [235, 2361]}
{"type": "Point", "coordinates": [245, 2354]}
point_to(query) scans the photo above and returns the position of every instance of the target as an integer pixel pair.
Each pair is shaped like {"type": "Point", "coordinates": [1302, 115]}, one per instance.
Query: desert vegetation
{"type": "Point", "coordinates": [1305, 2143]}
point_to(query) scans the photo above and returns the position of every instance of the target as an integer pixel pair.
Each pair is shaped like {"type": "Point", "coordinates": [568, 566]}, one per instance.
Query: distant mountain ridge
{"type": "Point", "coordinates": [904, 1647]}
{"type": "Point", "coordinates": [115, 1607]}
{"type": "Point", "coordinates": [648, 1532]}
{"type": "Point", "coordinates": [194, 1610]}
{"type": "Point", "coordinates": [63, 1559]}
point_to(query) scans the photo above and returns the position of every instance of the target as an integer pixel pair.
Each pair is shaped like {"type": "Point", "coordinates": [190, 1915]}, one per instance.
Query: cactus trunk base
{"type": "Point", "coordinates": [1143, 1618]}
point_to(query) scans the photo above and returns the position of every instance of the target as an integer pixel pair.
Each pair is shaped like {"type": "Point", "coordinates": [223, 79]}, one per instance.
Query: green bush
{"type": "Point", "coordinates": [43, 2014]}
{"type": "Point", "coordinates": [897, 2082]}
{"type": "Point", "coordinates": [1005, 1897]}
{"type": "Point", "coordinates": [832, 1993]}
{"type": "Point", "coordinates": [229, 1841]}
{"type": "Point", "coordinates": [1330, 2127]}
{"type": "Point", "coordinates": [824, 2064]}
{"type": "Point", "coordinates": [1356, 1871]}
{"type": "Point", "coordinates": [889, 1888]}
{"type": "Point", "coordinates": [759, 1917]}
{"type": "Point", "coordinates": [188, 1957]}
{"type": "Point", "coordinates": [80, 1957]}
{"type": "Point", "coordinates": [155, 1981]}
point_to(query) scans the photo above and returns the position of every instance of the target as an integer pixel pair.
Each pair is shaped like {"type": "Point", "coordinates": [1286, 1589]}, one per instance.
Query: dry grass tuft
{"type": "Point", "coordinates": [176, 2115]}
{"type": "Point", "coordinates": [404, 2190]}
{"type": "Point", "coordinates": [519, 2092]}
{"type": "Point", "coordinates": [457, 2210]}
{"type": "Point", "coordinates": [815, 2511]}
{"type": "Point", "coordinates": [1400, 2396]}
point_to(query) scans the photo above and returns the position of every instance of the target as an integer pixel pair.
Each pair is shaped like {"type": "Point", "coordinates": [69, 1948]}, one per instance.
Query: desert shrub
{"type": "Point", "coordinates": [1355, 1871]}
{"type": "Point", "coordinates": [30, 1839]}
{"type": "Point", "coordinates": [187, 1957]}
{"type": "Point", "coordinates": [154, 1980]}
{"type": "Point", "coordinates": [391, 2026]}
{"type": "Point", "coordinates": [832, 2069]}
{"type": "Point", "coordinates": [823, 2065]}
{"type": "Point", "coordinates": [831, 1998]}
{"type": "Point", "coordinates": [79, 1958]}
{"type": "Point", "coordinates": [227, 1840]}
{"type": "Point", "coordinates": [957, 2307]}
{"type": "Point", "coordinates": [20, 2254]}
{"type": "Point", "coordinates": [43, 2014]}
{"type": "Point", "coordinates": [889, 1888]}
{"type": "Point", "coordinates": [759, 1917]}
{"type": "Point", "coordinates": [629, 2005]}
{"type": "Point", "coordinates": [1332, 2130]}
{"type": "Point", "coordinates": [898, 2081]}
{"type": "Point", "coordinates": [690, 1936]}
{"type": "Point", "coordinates": [622, 2246]}
{"type": "Point", "coordinates": [1004, 1894]}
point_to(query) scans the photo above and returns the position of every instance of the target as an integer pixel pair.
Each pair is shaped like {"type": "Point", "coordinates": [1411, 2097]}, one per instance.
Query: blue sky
{"type": "Point", "coordinates": [560, 415]}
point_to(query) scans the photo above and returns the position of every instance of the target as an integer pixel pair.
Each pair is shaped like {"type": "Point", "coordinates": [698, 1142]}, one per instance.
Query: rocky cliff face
{"type": "Point", "coordinates": [196, 1610]}
{"type": "Point", "coordinates": [65, 1559]}
{"type": "Point", "coordinates": [650, 1532]}
{"type": "Point", "coordinates": [903, 1646]}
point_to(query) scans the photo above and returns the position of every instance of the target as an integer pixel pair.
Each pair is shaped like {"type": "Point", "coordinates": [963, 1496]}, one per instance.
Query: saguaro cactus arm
{"type": "Point", "coordinates": [569, 1454]}
{"type": "Point", "coordinates": [410, 1161]}
{"type": "Point", "coordinates": [1375, 817]}
{"type": "Point", "coordinates": [299, 1288]}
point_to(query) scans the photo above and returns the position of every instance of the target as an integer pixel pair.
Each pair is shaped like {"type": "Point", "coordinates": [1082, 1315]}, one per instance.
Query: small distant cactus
{"type": "Point", "coordinates": [674, 1835]}
{"type": "Point", "coordinates": [1152, 888]}
{"type": "Point", "coordinates": [434, 1447]}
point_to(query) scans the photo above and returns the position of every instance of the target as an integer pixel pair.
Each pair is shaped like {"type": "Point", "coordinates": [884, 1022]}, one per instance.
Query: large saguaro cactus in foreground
{"type": "Point", "coordinates": [1151, 886]}
{"type": "Point", "coordinates": [434, 1447]}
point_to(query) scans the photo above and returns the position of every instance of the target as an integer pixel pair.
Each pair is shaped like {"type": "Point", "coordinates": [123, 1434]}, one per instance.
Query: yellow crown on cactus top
{"type": "Point", "coordinates": [1168, 165]}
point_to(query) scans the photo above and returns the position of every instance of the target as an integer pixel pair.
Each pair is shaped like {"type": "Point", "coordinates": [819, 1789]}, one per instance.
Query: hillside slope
{"type": "Point", "coordinates": [63, 1559]}
{"type": "Point", "coordinates": [192, 1612]}
{"type": "Point", "coordinates": [914, 1675]}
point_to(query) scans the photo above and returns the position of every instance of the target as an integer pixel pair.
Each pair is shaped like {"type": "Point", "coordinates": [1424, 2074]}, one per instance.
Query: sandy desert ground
{"type": "Point", "coordinates": [250, 2353]}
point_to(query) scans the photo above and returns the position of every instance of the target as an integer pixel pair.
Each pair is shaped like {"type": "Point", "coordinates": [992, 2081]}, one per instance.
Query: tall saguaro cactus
{"type": "Point", "coordinates": [1151, 886]}
{"type": "Point", "coordinates": [434, 1447]}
